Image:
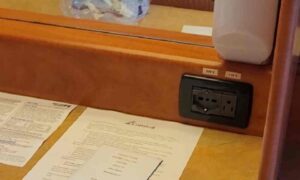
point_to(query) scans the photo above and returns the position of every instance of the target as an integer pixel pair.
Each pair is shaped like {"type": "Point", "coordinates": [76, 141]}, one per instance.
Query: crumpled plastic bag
{"type": "Point", "coordinates": [120, 11]}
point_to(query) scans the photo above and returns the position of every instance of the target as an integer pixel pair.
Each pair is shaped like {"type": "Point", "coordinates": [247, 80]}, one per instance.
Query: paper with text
{"type": "Point", "coordinates": [198, 30]}
{"type": "Point", "coordinates": [116, 164]}
{"type": "Point", "coordinates": [169, 141]}
{"type": "Point", "coordinates": [25, 123]}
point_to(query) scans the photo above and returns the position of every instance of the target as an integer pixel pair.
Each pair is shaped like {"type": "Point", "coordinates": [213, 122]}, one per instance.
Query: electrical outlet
{"type": "Point", "coordinates": [228, 105]}
{"type": "Point", "coordinates": [206, 101]}
{"type": "Point", "coordinates": [213, 102]}
{"type": "Point", "coordinates": [216, 101]}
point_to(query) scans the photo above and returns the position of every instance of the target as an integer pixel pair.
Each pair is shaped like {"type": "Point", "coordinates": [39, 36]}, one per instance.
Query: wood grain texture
{"type": "Point", "coordinates": [289, 169]}
{"type": "Point", "coordinates": [212, 158]}
{"type": "Point", "coordinates": [105, 71]}
{"type": "Point", "coordinates": [43, 6]}
{"type": "Point", "coordinates": [284, 73]}
{"type": "Point", "coordinates": [141, 77]}
{"type": "Point", "coordinates": [205, 5]}
{"type": "Point", "coordinates": [221, 155]}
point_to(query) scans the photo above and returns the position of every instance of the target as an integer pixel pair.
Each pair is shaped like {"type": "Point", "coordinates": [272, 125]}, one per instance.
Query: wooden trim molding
{"type": "Point", "coordinates": [289, 167]}
{"type": "Point", "coordinates": [290, 163]}
{"type": "Point", "coordinates": [204, 5]}
{"type": "Point", "coordinates": [284, 72]}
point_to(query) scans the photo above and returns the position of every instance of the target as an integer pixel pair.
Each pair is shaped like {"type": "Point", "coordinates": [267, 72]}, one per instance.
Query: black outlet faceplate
{"type": "Point", "coordinates": [217, 101]}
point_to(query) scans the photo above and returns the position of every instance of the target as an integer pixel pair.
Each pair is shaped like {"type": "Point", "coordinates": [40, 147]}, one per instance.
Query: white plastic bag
{"type": "Point", "coordinates": [121, 11]}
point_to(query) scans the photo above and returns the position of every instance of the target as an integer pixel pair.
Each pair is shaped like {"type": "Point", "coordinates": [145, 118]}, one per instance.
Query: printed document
{"type": "Point", "coordinates": [116, 164]}
{"type": "Point", "coordinates": [25, 123]}
{"type": "Point", "coordinates": [169, 141]}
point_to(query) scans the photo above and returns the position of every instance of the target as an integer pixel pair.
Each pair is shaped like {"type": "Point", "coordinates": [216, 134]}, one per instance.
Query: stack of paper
{"type": "Point", "coordinates": [91, 147]}
{"type": "Point", "coordinates": [115, 164]}
{"type": "Point", "coordinates": [25, 123]}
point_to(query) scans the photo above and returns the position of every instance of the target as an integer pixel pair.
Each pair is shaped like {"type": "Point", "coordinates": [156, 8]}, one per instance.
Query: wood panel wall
{"type": "Point", "coordinates": [205, 5]}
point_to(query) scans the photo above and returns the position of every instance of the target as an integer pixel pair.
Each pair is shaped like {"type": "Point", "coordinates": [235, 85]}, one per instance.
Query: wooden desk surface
{"type": "Point", "coordinates": [218, 155]}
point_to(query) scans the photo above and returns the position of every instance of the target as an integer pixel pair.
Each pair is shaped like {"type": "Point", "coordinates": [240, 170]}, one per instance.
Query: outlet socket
{"type": "Point", "coordinates": [206, 101]}
{"type": "Point", "coordinates": [213, 102]}
{"type": "Point", "coordinates": [216, 101]}
{"type": "Point", "coordinates": [228, 105]}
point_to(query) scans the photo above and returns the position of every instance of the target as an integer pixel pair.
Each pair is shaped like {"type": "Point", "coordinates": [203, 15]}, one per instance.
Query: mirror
{"type": "Point", "coordinates": [177, 17]}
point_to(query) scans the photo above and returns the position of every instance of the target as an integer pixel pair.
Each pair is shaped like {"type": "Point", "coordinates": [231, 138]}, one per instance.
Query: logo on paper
{"type": "Point", "coordinates": [134, 123]}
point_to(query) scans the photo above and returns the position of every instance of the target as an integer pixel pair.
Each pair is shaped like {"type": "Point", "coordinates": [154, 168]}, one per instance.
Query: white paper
{"type": "Point", "coordinates": [172, 142]}
{"type": "Point", "coordinates": [198, 30]}
{"type": "Point", "coordinates": [116, 164]}
{"type": "Point", "coordinates": [25, 123]}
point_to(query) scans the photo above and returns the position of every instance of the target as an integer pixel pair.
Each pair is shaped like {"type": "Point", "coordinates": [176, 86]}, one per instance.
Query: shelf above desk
{"type": "Point", "coordinates": [159, 17]}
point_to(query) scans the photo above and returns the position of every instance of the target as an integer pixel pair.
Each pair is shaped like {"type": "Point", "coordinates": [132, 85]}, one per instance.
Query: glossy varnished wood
{"type": "Point", "coordinates": [284, 73]}
{"type": "Point", "coordinates": [134, 75]}
{"type": "Point", "coordinates": [290, 165]}
{"type": "Point", "coordinates": [207, 5]}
